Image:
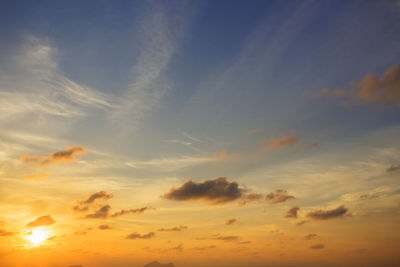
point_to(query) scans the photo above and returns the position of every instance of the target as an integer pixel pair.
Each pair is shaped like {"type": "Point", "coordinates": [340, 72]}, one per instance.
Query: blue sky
{"type": "Point", "coordinates": [301, 96]}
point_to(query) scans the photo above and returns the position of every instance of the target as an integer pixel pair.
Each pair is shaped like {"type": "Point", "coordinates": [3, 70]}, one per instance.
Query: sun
{"type": "Point", "coordinates": [37, 236]}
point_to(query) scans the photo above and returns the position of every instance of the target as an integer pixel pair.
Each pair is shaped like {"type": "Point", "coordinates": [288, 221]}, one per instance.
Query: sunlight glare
{"type": "Point", "coordinates": [37, 237]}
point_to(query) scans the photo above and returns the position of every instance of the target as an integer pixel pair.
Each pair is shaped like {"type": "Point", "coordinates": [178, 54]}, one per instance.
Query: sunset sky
{"type": "Point", "coordinates": [199, 133]}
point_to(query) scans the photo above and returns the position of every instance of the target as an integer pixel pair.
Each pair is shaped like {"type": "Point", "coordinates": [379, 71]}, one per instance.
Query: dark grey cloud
{"type": "Point", "coordinates": [101, 213]}
{"type": "Point", "coordinates": [317, 246]}
{"type": "Point", "coordinates": [310, 236]}
{"type": "Point", "coordinates": [98, 195]}
{"type": "Point", "coordinates": [215, 191]}
{"type": "Point", "coordinates": [41, 221]}
{"type": "Point", "coordinates": [140, 236]}
{"type": "Point", "coordinates": [78, 208]}
{"type": "Point", "coordinates": [157, 264]}
{"type": "Point", "coordinates": [173, 229]}
{"type": "Point", "coordinates": [292, 212]}
{"type": "Point", "coordinates": [230, 221]}
{"type": "Point", "coordinates": [393, 168]}
{"type": "Point", "coordinates": [278, 196]}
{"type": "Point", "coordinates": [327, 214]}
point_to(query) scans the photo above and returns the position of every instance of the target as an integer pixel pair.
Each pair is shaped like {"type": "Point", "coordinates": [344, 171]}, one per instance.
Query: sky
{"type": "Point", "coordinates": [199, 133]}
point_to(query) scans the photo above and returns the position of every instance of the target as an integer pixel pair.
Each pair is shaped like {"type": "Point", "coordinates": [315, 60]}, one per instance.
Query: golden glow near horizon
{"type": "Point", "coordinates": [37, 236]}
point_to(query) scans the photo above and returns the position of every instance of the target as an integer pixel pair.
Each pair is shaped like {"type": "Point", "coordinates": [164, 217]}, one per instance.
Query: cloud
{"type": "Point", "coordinates": [292, 213]}
{"type": "Point", "coordinates": [101, 213]}
{"type": "Point", "coordinates": [253, 197]}
{"type": "Point", "coordinates": [310, 236]}
{"type": "Point", "coordinates": [140, 236]}
{"type": "Point", "coordinates": [6, 233]}
{"type": "Point", "coordinates": [76, 265]}
{"type": "Point", "coordinates": [302, 222]}
{"type": "Point", "coordinates": [131, 211]}
{"type": "Point", "coordinates": [284, 141]}
{"type": "Point", "coordinates": [384, 91]}
{"type": "Point", "coordinates": [62, 156]}
{"type": "Point", "coordinates": [230, 221]}
{"type": "Point", "coordinates": [98, 195]}
{"type": "Point", "coordinates": [178, 248]}
{"type": "Point", "coordinates": [393, 168]}
{"type": "Point", "coordinates": [278, 196]}
{"type": "Point", "coordinates": [204, 248]}
{"type": "Point", "coordinates": [41, 176]}
{"type": "Point", "coordinates": [215, 191]}
{"type": "Point", "coordinates": [327, 214]}
{"type": "Point", "coordinates": [220, 237]}
{"type": "Point", "coordinates": [157, 264]}
{"type": "Point", "coordinates": [170, 164]}
{"type": "Point", "coordinates": [42, 221]}
{"type": "Point", "coordinates": [104, 227]}
{"type": "Point", "coordinates": [78, 208]}
{"type": "Point", "coordinates": [317, 246]}
{"type": "Point", "coordinates": [173, 229]}
{"type": "Point", "coordinates": [255, 131]}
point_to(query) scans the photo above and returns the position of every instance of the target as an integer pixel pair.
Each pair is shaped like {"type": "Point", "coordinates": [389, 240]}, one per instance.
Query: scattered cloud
{"type": "Point", "coordinates": [278, 196]}
{"type": "Point", "coordinates": [170, 164]}
{"type": "Point", "coordinates": [292, 212]}
{"type": "Point", "coordinates": [6, 233]}
{"type": "Point", "coordinates": [131, 211]}
{"type": "Point", "coordinates": [384, 91]}
{"type": "Point", "coordinates": [157, 264]}
{"type": "Point", "coordinates": [284, 141]}
{"type": "Point", "coordinates": [204, 248]}
{"type": "Point", "coordinates": [101, 213]}
{"type": "Point", "coordinates": [214, 191]}
{"type": "Point", "coordinates": [173, 229]}
{"type": "Point", "coordinates": [255, 131]}
{"type": "Point", "coordinates": [42, 176]}
{"type": "Point", "coordinates": [140, 236]}
{"type": "Point", "coordinates": [41, 221]}
{"type": "Point", "coordinates": [252, 197]}
{"type": "Point", "coordinates": [230, 221]}
{"type": "Point", "coordinates": [327, 214]}
{"type": "Point", "coordinates": [317, 246]}
{"type": "Point", "coordinates": [310, 236]}
{"type": "Point", "coordinates": [98, 195]}
{"type": "Point", "coordinates": [178, 248]}
{"type": "Point", "coordinates": [302, 222]}
{"type": "Point", "coordinates": [393, 168]}
{"type": "Point", "coordinates": [104, 227]}
{"type": "Point", "coordinates": [220, 237]}
{"type": "Point", "coordinates": [62, 156]}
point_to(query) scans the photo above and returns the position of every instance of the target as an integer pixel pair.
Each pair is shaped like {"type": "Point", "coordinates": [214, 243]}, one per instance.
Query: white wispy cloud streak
{"type": "Point", "coordinates": [172, 163]}
{"type": "Point", "coordinates": [38, 87]}
{"type": "Point", "coordinates": [160, 35]}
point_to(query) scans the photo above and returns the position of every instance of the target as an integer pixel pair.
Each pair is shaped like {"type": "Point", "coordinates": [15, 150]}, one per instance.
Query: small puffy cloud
{"type": "Point", "coordinates": [230, 221]}
{"type": "Point", "coordinates": [252, 197]}
{"type": "Point", "coordinates": [157, 264]}
{"type": "Point", "coordinates": [214, 191]}
{"type": "Point", "coordinates": [62, 156]}
{"type": "Point", "coordinates": [140, 236]}
{"type": "Point", "coordinates": [41, 221]}
{"type": "Point", "coordinates": [310, 236]}
{"type": "Point", "coordinates": [384, 91]}
{"type": "Point", "coordinates": [328, 214]}
{"type": "Point", "coordinates": [42, 176]}
{"type": "Point", "coordinates": [393, 168]}
{"type": "Point", "coordinates": [284, 141]}
{"type": "Point", "coordinates": [6, 233]}
{"type": "Point", "coordinates": [101, 213]}
{"type": "Point", "coordinates": [104, 227]}
{"type": "Point", "coordinates": [98, 195]}
{"type": "Point", "coordinates": [317, 246]}
{"type": "Point", "coordinates": [173, 229]}
{"type": "Point", "coordinates": [130, 211]}
{"type": "Point", "coordinates": [79, 208]}
{"type": "Point", "coordinates": [292, 212]}
{"type": "Point", "coordinates": [278, 196]}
